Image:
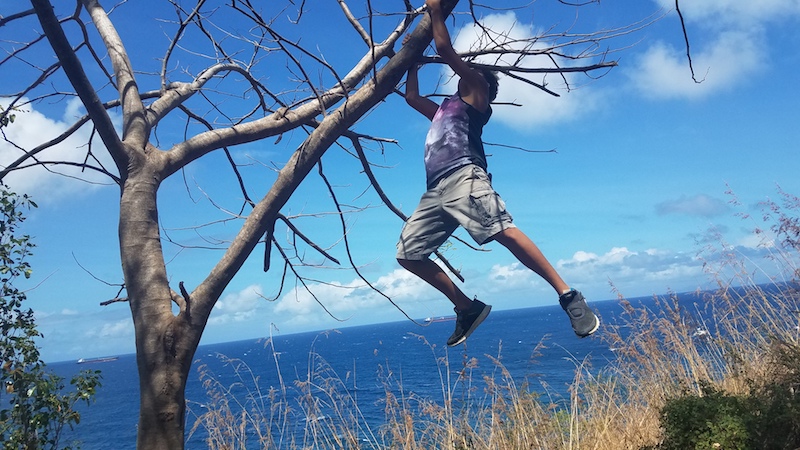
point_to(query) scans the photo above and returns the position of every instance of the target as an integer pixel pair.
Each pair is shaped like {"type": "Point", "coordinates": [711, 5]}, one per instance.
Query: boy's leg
{"type": "Point", "coordinates": [523, 248]}
{"type": "Point", "coordinates": [469, 313]}
{"type": "Point", "coordinates": [432, 274]}
{"type": "Point", "coordinates": [429, 226]}
{"type": "Point", "coordinates": [584, 321]}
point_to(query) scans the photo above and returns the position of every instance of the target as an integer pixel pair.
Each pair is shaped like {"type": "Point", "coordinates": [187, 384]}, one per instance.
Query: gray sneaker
{"type": "Point", "coordinates": [467, 321]}
{"type": "Point", "coordinates": [584, 321]}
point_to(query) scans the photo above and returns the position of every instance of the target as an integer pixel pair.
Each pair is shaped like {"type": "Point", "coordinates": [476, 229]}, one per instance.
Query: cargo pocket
{"type": "Point", "coordinates": [488, 207]}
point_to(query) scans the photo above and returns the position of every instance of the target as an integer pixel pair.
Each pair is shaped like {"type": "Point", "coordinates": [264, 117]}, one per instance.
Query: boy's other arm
{"type": "Point", "coordinates": [424, 105]}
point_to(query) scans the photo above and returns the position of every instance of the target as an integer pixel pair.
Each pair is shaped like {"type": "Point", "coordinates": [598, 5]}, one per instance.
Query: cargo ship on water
{"type": "Point", "coordinates": [98, 360]}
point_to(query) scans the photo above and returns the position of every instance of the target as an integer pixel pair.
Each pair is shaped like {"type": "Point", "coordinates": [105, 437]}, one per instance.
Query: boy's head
{"type": "Point", "coordinates": [491, 78]}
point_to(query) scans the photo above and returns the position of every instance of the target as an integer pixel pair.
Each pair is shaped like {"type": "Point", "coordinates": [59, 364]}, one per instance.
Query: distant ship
{"type": "Point", "coordinates": [98, 360]}
{"type": "Point", "coordinates": [439, 319]}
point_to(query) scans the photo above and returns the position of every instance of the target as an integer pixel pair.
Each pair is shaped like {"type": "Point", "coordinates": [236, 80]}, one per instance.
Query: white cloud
{"type": "Point", "coordinates": [697, 205]}
{"type": "Point", "coordinates": [663, 70]}
{"type": "Point", "coordinates": [734, 12]}
{"type": "Point", "coordinates": [755, 241]}
{"type": "Point", "coordinates": [112, 330]}
{"type": "Point", "coordinates": [344, 299]}
{"type": "Point", "coordinates": [403, 285]}
{"type": "Point", "coordinates": [631, 271]}
{"type": "Point", "coordinates": [238, 306]}
{"type": "Point", "coordinates": [537, 107]}
{"type": "Point", "coordinates": [32, 128]}
{"type": "Point", "coordinates": [511, 276]}
{"type": "Point", "coordinates": [728, 43]}
{"type": "Point", "coordinates": [505, 285]}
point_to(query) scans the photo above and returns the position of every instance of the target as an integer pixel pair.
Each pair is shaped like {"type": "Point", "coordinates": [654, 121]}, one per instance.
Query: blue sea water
{"type": "Point", "coordinates": [364, 358]}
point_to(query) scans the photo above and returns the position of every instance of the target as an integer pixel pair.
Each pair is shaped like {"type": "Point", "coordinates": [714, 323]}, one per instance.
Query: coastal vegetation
{"type": "Point", "coordinates": [35, 404]}
{"type": "Point", "coordinates": [721, 373]}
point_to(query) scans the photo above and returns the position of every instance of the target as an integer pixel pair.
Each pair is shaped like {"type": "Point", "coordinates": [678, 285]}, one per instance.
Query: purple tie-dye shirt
{"type": "Point", "coordinates": [454, 139]}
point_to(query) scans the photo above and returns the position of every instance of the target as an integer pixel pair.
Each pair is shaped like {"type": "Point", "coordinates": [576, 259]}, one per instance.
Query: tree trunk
{"type": "Point", "coordinates": [165, 342]}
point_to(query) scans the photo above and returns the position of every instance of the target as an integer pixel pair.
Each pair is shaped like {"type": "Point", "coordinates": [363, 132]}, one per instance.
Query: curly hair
{"type": "Point", "coordinates": [491, 78]}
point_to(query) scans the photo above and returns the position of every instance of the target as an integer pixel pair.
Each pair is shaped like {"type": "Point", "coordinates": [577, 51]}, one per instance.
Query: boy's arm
{"type": "Point", "coordinates": [422, 104]}
{"type": "Point", "coordinates": [475, 89]}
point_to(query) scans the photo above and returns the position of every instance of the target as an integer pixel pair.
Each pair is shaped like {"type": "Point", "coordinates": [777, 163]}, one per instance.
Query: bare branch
{"type": "Point", "coordinates": [686, 39]}
{"type": "Point", "coordinates": [70, 131]}
{"type": "Point", "coordinates": [74, 70]}
{"type": "Point", "coordinates": [300, 279]}
{"type": "Point", "coordinates": [305, 238]}
{"type": "Point", "coordinates": [114, 300]}
{"type": "Point", "coordinates": [184, 300]}
{"type": "Point", "coordinates": [347, 247]}
{"type": "Point", "coordinates": [6, 19]}
{"type": "Point", "coordinates": [134, 126]}
{"type": "Point", "coordinates": [356, 25]}
{"type": "Point", "coordinates": [174, 42]}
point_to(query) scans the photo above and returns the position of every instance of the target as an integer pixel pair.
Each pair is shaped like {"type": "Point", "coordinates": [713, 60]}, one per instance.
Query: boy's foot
{"type": "Point", "coordinates": [584, 321]}
{"type": "Point", "coordinates": [467, 321]}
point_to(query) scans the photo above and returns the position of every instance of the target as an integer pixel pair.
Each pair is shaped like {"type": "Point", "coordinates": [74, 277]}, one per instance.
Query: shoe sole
{"type": "Point", "coordinates": [475, 324]}
{"type": "Point", "coordinates": [594, 328]}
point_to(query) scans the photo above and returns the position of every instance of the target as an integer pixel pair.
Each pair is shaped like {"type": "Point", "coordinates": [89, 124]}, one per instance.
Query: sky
{"type": "Point", "coordinates": [628, 180]}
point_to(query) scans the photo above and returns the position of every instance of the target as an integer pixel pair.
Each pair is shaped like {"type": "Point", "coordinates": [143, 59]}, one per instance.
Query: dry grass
{"type": "Point", "coordinates": [729, 340]}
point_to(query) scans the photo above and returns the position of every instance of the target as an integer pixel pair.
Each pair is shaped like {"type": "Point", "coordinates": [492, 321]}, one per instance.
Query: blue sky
{"type": "Point", "coordinates": [643, 163]}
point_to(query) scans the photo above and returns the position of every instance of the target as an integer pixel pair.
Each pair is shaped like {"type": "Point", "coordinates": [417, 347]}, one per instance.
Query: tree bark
{"type": "Point", "coordinates": [164, 348]}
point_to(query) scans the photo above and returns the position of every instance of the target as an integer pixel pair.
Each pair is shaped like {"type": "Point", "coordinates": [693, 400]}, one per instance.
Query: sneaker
{"type": "Point", "coordinates": [467, 321]}
{"type": "Point", "coordinates": [584, 322]}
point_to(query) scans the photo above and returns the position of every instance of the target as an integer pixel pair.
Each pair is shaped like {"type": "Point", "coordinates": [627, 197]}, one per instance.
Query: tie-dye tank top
{"type": "Point", "coordinates": [454, 139]}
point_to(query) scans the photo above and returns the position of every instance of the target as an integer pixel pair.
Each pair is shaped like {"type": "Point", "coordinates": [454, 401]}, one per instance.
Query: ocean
{"type": "Point", "coordinates": [535, 345]}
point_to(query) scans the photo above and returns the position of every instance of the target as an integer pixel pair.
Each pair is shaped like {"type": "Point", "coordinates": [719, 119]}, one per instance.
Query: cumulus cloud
{"type": "Point", "coordinates": [537, 107]}
{"type": "Point", "coordinates": [735, 12]}
{"type": "Point", "coordinates": [728, 43]}
{"type": "Point", "coordinates": [697, 205]}
{"type": "Point", "coordinates": [663, 70]}
{"type": "Point", "coordinates": [628, 269]}
{"type": "Point", "coordinates": [510, 285]}
{"type": "Point", "coordinates": [112, 330]}
{"type": "Point", "coordinates": [631, 272]}
{"type": "Point", "coordinates": [342, 300]}
{"type": "Point", "coordinates": [512, 276]}
{"type": "Point", "coordinates": [237, 306]}
{"type": "Point", "coordinates": [32, 128]}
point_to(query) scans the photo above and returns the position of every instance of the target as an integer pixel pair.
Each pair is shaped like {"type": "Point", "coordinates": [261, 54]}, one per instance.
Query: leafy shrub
{"type": "Point", "coordinates": [713, 420]}
{"type": "Point", "coordinates": [34, 407]}
{"type": "Point", "coordinates": [767, 418]}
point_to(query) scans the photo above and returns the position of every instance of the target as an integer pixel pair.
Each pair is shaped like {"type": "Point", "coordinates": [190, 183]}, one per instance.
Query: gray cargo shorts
{"type": "Point", "coordinates": [464, 197]}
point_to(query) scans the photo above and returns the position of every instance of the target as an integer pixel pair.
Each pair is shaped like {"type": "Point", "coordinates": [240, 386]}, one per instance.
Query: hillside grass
{"type": "Point", "coordinates": [702, 378]}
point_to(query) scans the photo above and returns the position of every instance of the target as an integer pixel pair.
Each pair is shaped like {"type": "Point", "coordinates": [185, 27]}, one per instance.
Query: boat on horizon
{"type": "Point", "coordinates": [98, 360]}
{"type": "Point", "coordinates": [439, 319]}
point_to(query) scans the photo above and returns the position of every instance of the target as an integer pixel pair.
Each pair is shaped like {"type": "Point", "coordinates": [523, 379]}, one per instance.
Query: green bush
{"type": "Point", "coordinates": [768, 418]}
{"type": "Point", "coordinates": [34, 404]}
{"type": "Point", "coordinates": [713, 420]}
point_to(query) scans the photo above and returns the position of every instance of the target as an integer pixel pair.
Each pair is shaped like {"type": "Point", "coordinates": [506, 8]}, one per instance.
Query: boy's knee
{"type": "Point", "coordinates": [409, 264]}
{"type": "Point", "coordinates": [404, 263]}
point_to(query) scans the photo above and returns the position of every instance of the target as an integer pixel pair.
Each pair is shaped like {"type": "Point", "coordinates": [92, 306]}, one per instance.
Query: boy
{"type": "Point", "coordinates": [460, 193]}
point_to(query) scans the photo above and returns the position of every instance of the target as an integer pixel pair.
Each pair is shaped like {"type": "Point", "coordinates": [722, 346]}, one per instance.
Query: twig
{"type": "Point", "coordinates": [686, 39]}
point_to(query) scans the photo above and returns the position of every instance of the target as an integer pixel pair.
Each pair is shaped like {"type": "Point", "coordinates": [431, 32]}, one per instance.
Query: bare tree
{"type": "Point", "coordinates": [229, 74]}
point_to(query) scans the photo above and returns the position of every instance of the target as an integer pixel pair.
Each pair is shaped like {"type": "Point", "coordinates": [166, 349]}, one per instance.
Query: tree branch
{"type": "Point", "coordinates": [135, 128]}
{"type": "Point", "coordinates": [686, 39]}
{"type": "Point", "coordinates": [74, 71]}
